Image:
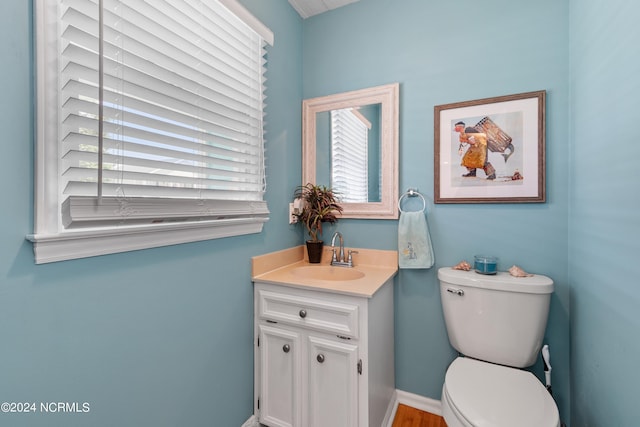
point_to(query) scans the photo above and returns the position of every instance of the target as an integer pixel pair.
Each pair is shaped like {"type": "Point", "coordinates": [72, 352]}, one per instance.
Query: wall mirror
{"type": "Point", "coordinates": [350, 143]}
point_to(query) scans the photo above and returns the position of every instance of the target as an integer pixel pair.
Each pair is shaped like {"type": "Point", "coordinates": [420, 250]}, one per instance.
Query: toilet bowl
{"type": "Point", "coordinates": [481, 394]}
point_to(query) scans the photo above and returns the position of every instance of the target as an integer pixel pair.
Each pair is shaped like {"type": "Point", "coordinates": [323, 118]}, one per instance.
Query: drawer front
{"type": "Point", "coordinates": [307, 312]}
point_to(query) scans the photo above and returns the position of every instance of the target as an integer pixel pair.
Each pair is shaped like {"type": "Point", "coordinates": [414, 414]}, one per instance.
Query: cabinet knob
{"type": "Point", "coordinates": [320, 358]}
{"type": "Point", "coordinates": [286, 348]}
{"type": "Point", "coordinates": [303, 313]}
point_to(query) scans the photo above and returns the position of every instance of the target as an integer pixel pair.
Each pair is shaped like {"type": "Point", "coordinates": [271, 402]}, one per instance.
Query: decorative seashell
{"type": "Point", "coordinates": [462, 265]}
{"type": "Point", "coordinates": [516, 271]}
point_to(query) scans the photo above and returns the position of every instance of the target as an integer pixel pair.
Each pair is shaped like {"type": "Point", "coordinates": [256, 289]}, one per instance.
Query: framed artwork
{"type": "Point", "coordinates": [491, 150]}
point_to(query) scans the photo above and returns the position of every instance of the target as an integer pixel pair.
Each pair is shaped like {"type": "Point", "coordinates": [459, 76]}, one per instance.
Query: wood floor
{"type": "Point", "coordinates": [411, 417]}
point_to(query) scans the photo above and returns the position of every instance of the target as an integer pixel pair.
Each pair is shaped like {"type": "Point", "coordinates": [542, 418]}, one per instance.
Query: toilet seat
{"type": "Point", "coordinates": [481, 394]}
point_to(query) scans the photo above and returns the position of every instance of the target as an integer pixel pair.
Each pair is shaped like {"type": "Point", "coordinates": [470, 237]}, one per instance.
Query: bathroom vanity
{"type": "Point", "coordinates": [324, 340]}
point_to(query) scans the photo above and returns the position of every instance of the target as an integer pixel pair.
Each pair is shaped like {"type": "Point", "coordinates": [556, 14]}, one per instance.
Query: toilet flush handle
{"type": "Point", "coordinates": [458, 292]}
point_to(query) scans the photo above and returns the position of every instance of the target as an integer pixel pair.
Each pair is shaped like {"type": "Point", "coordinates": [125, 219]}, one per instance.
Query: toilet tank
{"type": "Point", "coordinates": [496, 318]}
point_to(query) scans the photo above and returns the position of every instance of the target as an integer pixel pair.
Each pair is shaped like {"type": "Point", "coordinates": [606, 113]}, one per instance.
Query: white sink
{"type": "Point", "coordinates": [327, 272]}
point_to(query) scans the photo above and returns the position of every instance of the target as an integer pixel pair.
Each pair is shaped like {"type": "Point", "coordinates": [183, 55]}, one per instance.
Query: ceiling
{"type": "Point", "coordinates": [307, 8]}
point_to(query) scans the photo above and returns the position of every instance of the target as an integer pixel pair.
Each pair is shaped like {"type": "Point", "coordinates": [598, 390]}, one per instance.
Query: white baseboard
{"type": "Point", "coordinates": [420, 402]}
{"type": "Point", "coordinates": [391, 410]}
{"type": "Point", "coordinates": [413, 400]}
{"type": "Point", "coordinates": [251, 422]}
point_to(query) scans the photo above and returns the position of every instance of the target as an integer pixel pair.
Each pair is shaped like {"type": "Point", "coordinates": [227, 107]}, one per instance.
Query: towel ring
{"type": "Point", "coordinates": [412, 193]}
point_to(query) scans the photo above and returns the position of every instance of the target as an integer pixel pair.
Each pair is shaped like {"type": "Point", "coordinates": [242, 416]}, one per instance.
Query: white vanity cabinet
{"type": "Point", "coordinates": [323, 358]}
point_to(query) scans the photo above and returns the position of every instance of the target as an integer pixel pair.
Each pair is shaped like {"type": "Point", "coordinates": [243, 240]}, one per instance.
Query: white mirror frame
{"type": "Point", "coordinates": [388, 97]}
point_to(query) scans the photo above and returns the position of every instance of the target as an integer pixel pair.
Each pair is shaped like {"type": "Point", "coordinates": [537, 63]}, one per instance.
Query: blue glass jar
{"type": "Point", "coordinates": [485, 264]}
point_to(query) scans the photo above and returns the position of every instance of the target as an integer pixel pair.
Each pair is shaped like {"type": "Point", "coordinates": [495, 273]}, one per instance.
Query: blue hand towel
{"type": "Point", "coordinates": [414, 242]}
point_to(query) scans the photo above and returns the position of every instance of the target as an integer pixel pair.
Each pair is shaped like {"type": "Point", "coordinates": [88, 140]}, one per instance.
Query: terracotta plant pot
{"type": "Point", "coordinates": [314, 251]}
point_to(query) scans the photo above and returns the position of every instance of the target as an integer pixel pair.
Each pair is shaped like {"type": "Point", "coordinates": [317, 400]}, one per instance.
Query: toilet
{"type": "Point", "coordinates": [497, 324]}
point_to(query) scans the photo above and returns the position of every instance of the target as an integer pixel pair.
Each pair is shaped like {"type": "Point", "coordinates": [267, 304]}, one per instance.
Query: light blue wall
{"type": "Point", "coordinates": [160, 337]}
{"type": "Point", "coordinates": [442, 52]}
{"type": "Point", "coordinates": [604, 224]}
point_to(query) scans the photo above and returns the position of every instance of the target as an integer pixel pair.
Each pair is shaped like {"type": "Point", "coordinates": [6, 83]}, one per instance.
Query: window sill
{"type": "Point", "coordinates": [87, 243]}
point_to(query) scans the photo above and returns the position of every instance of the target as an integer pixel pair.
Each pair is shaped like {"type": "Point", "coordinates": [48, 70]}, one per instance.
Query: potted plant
{"type": "Point", "coordinates": [319, 205]}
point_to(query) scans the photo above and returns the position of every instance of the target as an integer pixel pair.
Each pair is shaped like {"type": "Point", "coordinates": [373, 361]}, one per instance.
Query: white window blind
{"type": "Point", "coordinates": [159, 118]}
{"type": "Point", "coordinates": [349, 145]}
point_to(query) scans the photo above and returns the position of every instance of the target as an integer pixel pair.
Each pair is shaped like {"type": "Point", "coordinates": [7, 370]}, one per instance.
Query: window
{"type": "Point", "coordinates": [150, 124]}
{"type": "Point", "coordinates": [349, 154]}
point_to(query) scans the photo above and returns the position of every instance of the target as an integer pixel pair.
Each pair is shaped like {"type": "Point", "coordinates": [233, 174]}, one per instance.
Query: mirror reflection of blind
{"type": "Point", "coordinates": [177, 122]}
{"type": "Point", "coordinates": [349, 146]}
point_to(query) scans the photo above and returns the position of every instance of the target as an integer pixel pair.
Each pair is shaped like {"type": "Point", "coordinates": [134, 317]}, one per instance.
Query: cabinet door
{"type": "Point", "coordinates": [333, 383]}
{"type": "Point", "coordinates": [280, 381]}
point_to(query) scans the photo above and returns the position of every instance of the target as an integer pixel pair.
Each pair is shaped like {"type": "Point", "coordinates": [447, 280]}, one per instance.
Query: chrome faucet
{"type": "Point", "coordinates": [338, 258]}
{"type": "Point", "coordinates": [335, 258]}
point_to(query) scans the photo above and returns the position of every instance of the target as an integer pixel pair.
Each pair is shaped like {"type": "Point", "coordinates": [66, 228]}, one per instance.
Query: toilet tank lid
{"type": "Point", "coordinates": [503, 281]}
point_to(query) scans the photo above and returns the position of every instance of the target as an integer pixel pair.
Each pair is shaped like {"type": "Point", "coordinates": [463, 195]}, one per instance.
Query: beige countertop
{"type": "Point", "coordinates": [281, 267]}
